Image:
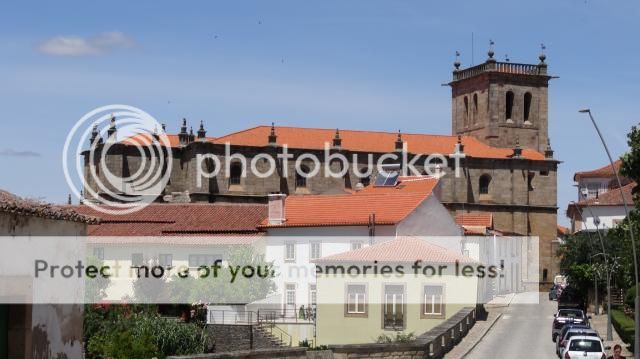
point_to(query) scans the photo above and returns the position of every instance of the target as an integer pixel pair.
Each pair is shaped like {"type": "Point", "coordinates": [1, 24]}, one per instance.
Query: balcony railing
{"type": "Point", "coordinates": [504, 67]}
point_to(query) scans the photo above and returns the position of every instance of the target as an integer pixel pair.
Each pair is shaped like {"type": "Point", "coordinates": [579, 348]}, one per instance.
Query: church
{"type": "Point", "coordinates": [499, 124]}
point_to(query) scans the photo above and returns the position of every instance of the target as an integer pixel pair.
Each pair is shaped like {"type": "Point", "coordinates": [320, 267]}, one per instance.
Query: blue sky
{"type": "Point", "coordinates": [371, 64]}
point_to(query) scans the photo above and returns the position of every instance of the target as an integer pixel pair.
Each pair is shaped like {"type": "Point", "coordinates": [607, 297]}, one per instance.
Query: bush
{"type": "Point", "coordinates": [624, 326]}
{"type": "Point", "coordinates": [134, 332]}
{"type": "Point", "coordinates": [399, 338]}
{"type": "Point", "coordinates": [630, 297]}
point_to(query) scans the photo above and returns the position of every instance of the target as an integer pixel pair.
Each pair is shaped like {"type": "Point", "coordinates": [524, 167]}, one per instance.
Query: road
{"type": "Point", "coordinates": [523, 331]}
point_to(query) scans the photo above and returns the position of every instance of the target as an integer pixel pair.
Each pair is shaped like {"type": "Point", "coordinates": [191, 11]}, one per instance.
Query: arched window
{"type": "Point", "coordinates": [475, 108]}
{"type": "Point", "coordinates": [235, 174]}
{"type": "Point", "coordinates": [466, 111]}
{"type": "Point", "coordinates": [509, 105]}
{"type": "Point", "coordinates": [485, 181]}
{"type": "Point", "coordinates": [301, 180]}
{"type": "Point", "coordinates": [364, 176]}
{"type": "Point", "coordinates": [527, 106]}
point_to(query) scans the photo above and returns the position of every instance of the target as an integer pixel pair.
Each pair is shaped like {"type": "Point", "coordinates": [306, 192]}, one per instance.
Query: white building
{"type": "Point", "coordinates": [301, 229]}
{"type": "Point", "coordinates": [599, 202]}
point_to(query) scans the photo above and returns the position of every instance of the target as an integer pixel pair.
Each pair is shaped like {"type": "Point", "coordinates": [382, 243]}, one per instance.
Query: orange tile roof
{"type": "Point", "coordinates": [12, 204]}
{"type": "Point", "coordinates": [475, 219]}
{"type": "Point", "coordinates": [369, 141]}
{"type": "Point", "coordinates": [406, 184]}
{"type": "Point", "coordinates": [611, 197]}
{"type": "Point", "coordinates": [389, 205]}
{"type": "Point", "coordinates": [145, 139]}
{"type": "Point", "coordinates": [399, 250]}
{"type": "Point", "coordinates": [562, 230]}
{"type": "Point", "coordinates": [168, 219]}
{"type": "Point", "coordinates": [604, 172]}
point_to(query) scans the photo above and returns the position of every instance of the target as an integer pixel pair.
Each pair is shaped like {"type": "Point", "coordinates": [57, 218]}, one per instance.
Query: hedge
{"type": "Point", "coordinates": [624, 326]}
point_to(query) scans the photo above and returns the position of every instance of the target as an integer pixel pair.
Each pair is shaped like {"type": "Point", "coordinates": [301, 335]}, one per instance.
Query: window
{"type": "Point", "coordinates": [527, 106]}
{"type": "Point", "coordinates": [433, 301]}
{"type": "Point", "coordinates": [485, 181]}
{"type": "Point", "coordinates": [393, 309]}
{"type": "Point", "coordinates": [137, 259]}
{"type": "Point", "coordinates": [235, 175]}
{"type": "Point", "coordinates": [466, 111]}
{"type": "Point", "coordinates": [314, 250]}
{"type": "Point", "coordinates": [530, 176]}
{"type": "Point", "coordinates": [509, 105]}
{"type": "Point", "coordinates": [98, 252]}
{"type": "Point", "coordinates": [313, 295]}
{"type": "Point", "coordinates": [289, 252]}
{"type": "Point", "coordinates": [165, 260]}
{"type": "Point", "coordinates": [290, 300]}
{"type": "Point", "coordinates": [544, 173]}
{"type": "Point", "coordinates": [356, 245]}
{"type": "Point", "coordinates": [545, 275]}
{"type": "Point", "coordinates": [475, 108]}
{"type": "Point", "coordinates": [356, 301]}
{"type": "Point", "coordinates": [197, 260]}
{"type": "Point", "coordinates": [301, 179]}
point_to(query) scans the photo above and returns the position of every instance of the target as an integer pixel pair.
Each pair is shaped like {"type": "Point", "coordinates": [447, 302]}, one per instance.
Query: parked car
{"type": "Point", "coordinates": [570, 298]}
{"type": "Point", "coordinates": [584, 347]}
{"type": "Point", "coordinates": [565, 335]}
{"type": "Point", "coordinates": [569, 326]}
{"type": "Point", "coordinates": [567, 316]}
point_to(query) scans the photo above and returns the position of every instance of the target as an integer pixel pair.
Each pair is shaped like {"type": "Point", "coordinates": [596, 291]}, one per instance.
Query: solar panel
{"type": "Point", "coordinates": [386, 179]}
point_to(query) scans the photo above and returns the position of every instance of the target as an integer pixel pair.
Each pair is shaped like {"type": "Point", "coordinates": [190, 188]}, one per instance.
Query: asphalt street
{"type": "Point", "coordinates": [523, 331]}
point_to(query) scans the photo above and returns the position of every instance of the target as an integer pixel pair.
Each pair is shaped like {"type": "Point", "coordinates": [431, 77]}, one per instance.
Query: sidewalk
{"type": "Point", "coordinates": [475, 335]}
{"type": "Point", "coordinates": [599, 323]}
{"type": "Point", "coordinates": [500, 301]}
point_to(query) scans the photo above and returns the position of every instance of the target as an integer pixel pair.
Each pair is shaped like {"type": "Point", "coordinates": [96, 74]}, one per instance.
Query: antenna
{"type": "Point", "coordinates": [472, 48]}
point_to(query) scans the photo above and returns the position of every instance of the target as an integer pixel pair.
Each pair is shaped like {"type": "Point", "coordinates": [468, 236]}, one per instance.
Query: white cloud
{"type": "Point", "coordinates": [79, 46]}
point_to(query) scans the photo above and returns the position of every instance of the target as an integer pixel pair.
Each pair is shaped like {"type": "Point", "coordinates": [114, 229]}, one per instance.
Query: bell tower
{"type": "Point", "coordinates": [499, 102]}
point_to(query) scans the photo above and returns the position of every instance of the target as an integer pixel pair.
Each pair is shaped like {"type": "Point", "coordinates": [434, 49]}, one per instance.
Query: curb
{"type": "Point", "coordinates": [502, 305]}
{"type": "Point", "coordinates": [482, 336]}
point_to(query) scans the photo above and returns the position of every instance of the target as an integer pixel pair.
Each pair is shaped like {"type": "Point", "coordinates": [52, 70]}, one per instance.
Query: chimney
{"type": "Point", "coordinates": [276, 208]}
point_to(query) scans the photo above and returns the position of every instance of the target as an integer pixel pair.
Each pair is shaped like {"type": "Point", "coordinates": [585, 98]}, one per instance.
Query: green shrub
{"type": "Point", "coordinates": [630, 297]}
{"type": "Point", "coordinates": [624, 326]}
{"type": "Point", "coordinates": [399, 338]}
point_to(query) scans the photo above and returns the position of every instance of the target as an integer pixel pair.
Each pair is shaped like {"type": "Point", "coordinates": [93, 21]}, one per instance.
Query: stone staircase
{"type": "Point", "coordinates": [268, 335]}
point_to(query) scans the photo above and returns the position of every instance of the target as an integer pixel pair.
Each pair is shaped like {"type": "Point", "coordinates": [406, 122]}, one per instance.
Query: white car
{"type": "Point", "coordinates": [584, 347]}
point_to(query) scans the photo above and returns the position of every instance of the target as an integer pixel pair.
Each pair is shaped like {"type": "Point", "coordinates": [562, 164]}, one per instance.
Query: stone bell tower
{"type": "Point", "coordinates": [501, 102]}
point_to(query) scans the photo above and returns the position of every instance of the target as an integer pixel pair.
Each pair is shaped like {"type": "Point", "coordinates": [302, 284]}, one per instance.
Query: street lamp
{"type": "Point", "coordinates": [636, 337]}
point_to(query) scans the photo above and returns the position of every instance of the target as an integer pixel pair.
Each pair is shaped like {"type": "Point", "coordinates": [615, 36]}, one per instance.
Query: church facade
{"type": "Point", "coordinates": [499, 126]}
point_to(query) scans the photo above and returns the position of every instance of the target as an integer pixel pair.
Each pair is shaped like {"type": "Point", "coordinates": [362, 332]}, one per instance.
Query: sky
{"type": "Point", "coordinates": [369, 65]}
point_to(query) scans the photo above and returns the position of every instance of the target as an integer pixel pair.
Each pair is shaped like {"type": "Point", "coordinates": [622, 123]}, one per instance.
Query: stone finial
{"type": "Point", "coordinates": [459, 145]}
{"type": "Point", "coordinates": [202, 133]}
{"type": "Point", "coordinates": [517, 150]}
{"type": "Point", "coordinates": [183, 136]}
{"type": "Point", "coordinates": [272, 135]}
{"type": "Point", "coordinates": [337, 141]}
{"type": "Point", "coordinates": [192, 137]}
{"type": "Point", "coordinates": [164, 128]}
{"type": "Point", "coordinates": [506, 58]}
{"type": "Point", "coordinates": [542, 56]}
{"type": "Point", "coordinates": [69, 199]}
{"type": "Point", "coordinates": [399, 142]}
{"type": "Point", "coordinates": [490, 53]}
{"type": "Point", "coordinates": [456, 64]}
{"type": "Point", "coordinates": [111, 132]}
{"type": "Point", "coordinates": [548, 152]}
{"type": "Point", "coordinates": [95, 135]}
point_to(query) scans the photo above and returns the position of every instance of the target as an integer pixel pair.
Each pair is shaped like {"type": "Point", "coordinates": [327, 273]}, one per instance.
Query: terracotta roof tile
{"type": "Point", "coordinates": [562, 230]}
{"type": "Point", "coordinates": [475, 219]}
{"type": "Point", "coordinates": [179, 219]}
{"type": "Point", "coordinates": [10, 203]}
{"type": "Point", "coordinates": [389, 205]}
{"type": "Point", "coordinates": [604, 172]}
{"type": "Point", "coordinates": [611, 197]}
{"type": "Point", "coordinates": [369, 141]}
{"type": "Point", "coordinates": [399, 250]}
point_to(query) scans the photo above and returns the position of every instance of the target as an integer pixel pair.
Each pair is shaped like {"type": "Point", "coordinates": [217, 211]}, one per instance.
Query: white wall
{"type": "Point", "coordinates": [607, 215]}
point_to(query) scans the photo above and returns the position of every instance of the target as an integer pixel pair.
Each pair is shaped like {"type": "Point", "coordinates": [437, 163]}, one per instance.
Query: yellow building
{"type": "Point", "coordinates": [404, 285]}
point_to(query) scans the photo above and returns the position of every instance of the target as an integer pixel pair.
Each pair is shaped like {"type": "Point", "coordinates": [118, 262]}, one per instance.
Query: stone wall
{"type": "Point", "coordinates": [433, 344]}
